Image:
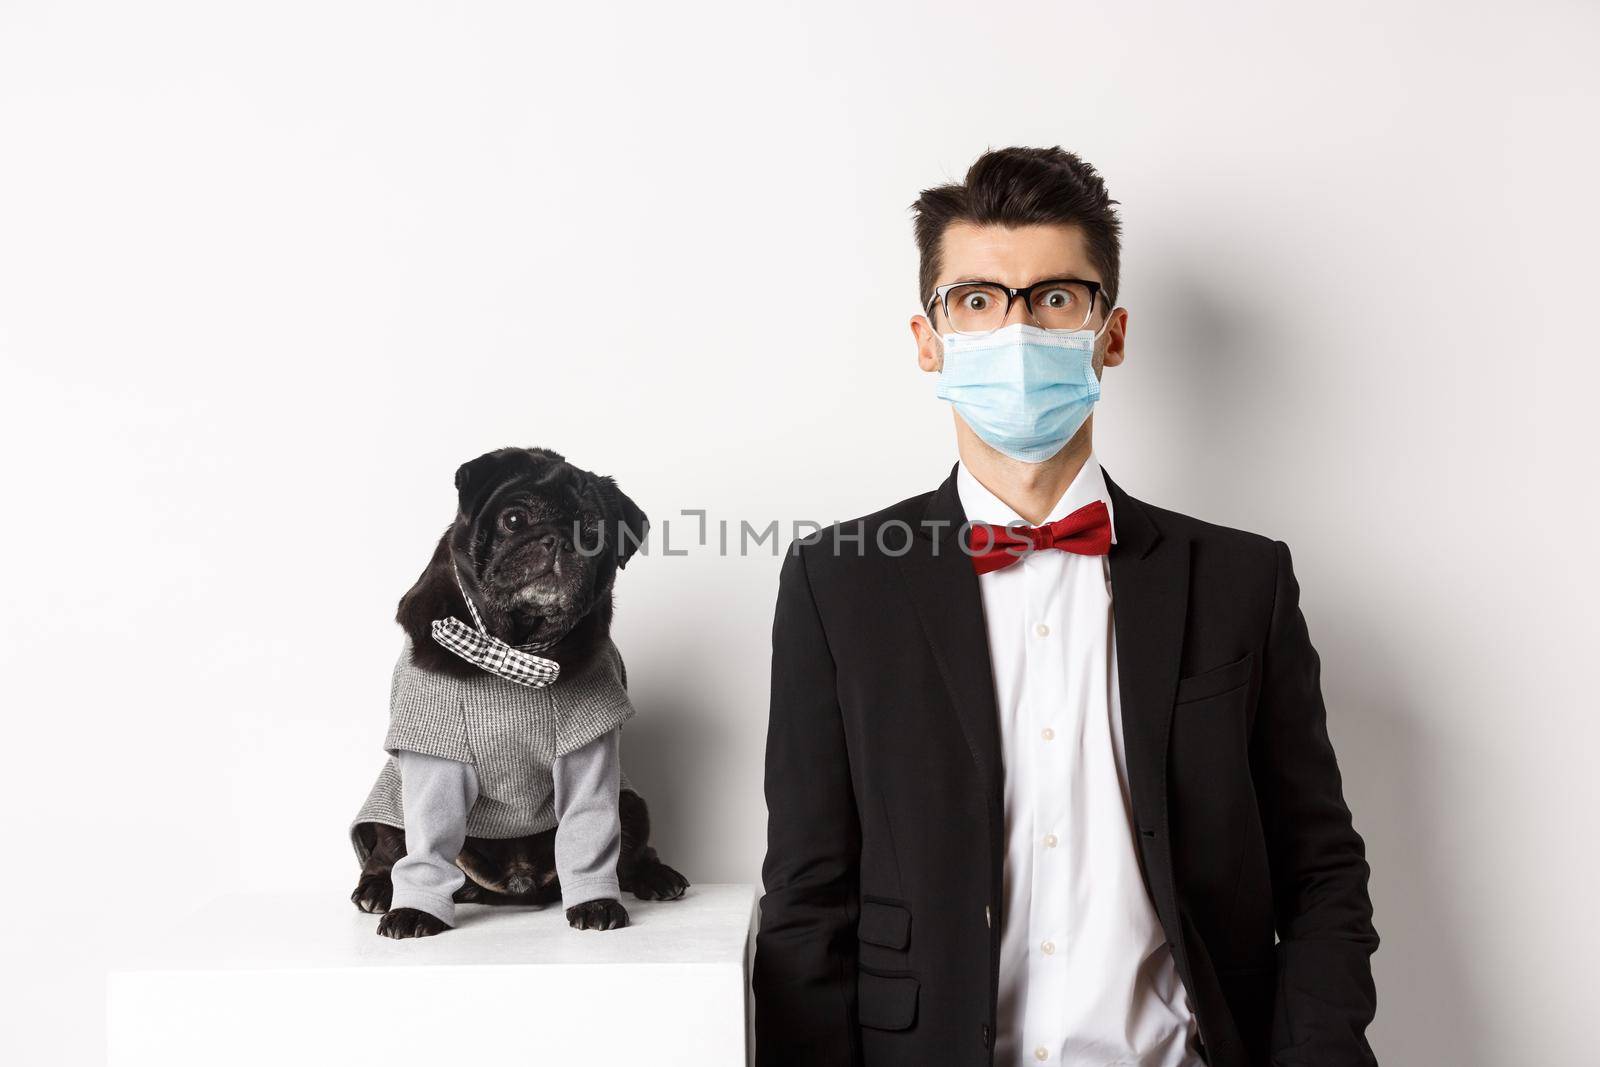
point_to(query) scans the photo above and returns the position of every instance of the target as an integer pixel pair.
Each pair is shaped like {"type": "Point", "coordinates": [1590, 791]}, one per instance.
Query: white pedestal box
{"type": "Point", "coordinates": [301, 981]}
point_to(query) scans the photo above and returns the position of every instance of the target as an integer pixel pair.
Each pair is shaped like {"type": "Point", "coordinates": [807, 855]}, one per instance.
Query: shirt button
{"type": "Point", "coordinates": [1049, 948]}
{"type": "Point", "coordinates": [1041, 1053]}
{"type": "Point", "coordinates": [1047, 733]}
{"type": "Point", "coordinates": [1042, 630]}
{"type": "Point", "coordinates": [1049, 840]}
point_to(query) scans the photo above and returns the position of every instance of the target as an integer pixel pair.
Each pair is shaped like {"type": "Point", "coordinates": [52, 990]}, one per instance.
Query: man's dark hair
{"type": "Point", "coordinates": [1021, 187]}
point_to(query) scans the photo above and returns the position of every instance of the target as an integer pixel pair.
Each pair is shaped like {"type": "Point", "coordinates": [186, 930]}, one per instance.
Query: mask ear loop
{"type": "Point", "coordinates": [1106, 323]}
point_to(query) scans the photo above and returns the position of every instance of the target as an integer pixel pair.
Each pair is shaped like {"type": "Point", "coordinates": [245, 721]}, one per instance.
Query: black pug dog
{"type": "Point", "coordinates": [512, 544]}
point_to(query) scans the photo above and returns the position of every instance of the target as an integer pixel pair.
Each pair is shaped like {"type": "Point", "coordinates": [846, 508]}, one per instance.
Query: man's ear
{"type": "Point", "coordinates": [1116, 337]}
{"type": "Point", "coordinates": [930, 349]}
{"type": "Point", "coordinates": [624, 524]}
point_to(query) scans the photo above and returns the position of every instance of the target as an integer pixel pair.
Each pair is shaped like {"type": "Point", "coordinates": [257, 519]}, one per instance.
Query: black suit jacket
{"type": "Point", "coordinates": [879, 935]}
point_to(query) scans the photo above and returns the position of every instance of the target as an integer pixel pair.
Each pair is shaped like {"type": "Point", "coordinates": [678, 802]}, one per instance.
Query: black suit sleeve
{"type": "Point", "coordinates": [1325, 995]}
{"type": "Point", "coordinates": [804, 977]}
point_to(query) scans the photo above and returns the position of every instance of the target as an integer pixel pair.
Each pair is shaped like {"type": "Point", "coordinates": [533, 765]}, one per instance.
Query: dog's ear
{"type": "Point", "coordinates": [476, 478]}
{"type": "Point", "coordinates": [633, 523]}
{"type": "Point", "coordinates": [624, 523]}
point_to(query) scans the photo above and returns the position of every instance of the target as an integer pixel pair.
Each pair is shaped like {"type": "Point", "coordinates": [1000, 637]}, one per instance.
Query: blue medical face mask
{"type": "Point", "coordinates": [1024, 390]}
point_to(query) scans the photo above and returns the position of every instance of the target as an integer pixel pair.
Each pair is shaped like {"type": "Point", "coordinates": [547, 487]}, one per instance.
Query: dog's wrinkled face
{"type": "Point", "coordinates": [537, 541]}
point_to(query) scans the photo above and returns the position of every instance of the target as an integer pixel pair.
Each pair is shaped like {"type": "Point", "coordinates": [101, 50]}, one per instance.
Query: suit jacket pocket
{"type": "Point", "coordinates": [885, 1001]}
{"type": "Point", "coordinates": [1216, 681]}
{"type": "Point", "coordinates": [883, 923]}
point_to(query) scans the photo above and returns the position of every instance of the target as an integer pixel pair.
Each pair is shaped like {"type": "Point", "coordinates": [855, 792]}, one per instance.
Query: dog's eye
{"type": "Point", "coordinates": [514, 519]}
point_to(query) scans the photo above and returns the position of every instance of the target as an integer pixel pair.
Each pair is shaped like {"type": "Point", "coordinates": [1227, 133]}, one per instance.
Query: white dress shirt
{"type": "Point", "coordinates": [1086, 976]}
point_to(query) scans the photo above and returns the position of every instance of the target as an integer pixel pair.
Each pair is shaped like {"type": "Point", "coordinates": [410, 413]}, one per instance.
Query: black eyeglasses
{"type": "Point", "coordinates": [1055, 304]}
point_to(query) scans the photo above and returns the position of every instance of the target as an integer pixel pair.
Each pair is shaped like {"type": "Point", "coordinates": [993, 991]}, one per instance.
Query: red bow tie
{"type": "Point", "coordinates": [1086, 531]}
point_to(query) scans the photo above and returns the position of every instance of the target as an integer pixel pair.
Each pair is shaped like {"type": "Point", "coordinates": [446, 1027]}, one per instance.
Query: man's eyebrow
{"type": "Point", "coordinates": [1066, 276]}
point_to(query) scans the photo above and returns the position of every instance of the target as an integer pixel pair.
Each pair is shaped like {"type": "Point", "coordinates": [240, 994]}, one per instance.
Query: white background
{"type": "Point", "coordinates": [269, 272]}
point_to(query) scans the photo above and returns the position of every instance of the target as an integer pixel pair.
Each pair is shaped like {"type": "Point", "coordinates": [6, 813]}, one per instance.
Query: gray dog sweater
{"type": "Point", "coordinates": [508, 742]}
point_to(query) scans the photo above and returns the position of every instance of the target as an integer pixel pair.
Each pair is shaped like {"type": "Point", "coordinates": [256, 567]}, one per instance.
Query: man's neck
{"type": "Point", "coordinates": [1032, 490]}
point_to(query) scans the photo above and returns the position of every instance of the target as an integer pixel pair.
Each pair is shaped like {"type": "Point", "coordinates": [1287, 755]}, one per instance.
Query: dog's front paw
{"type": "Point", "coordinates": [373, 892]}
{"type": "Point", "coordinates": [657, 881]}
{"type": "Point", "coordinates": [605, 914]}
{"type": "Point", "coordinates": [409, 922]}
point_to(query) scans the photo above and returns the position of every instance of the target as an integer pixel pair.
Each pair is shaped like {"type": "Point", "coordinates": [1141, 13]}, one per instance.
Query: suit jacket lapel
{"type": "Point", "coordinates": [944, 589]}
{"type": "Point", "coordinates": [1150, 585]}
{"type": "Point", "coordinates": [1150, 596]}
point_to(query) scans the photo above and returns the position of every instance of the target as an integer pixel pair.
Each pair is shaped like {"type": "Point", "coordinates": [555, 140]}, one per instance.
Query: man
{"type": "Point", "coordinates": [1009, 823]}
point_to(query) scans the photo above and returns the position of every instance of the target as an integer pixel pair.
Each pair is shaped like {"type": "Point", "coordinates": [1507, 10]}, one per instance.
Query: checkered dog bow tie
{"type": "Point", "coordinates": [514, 663]}
{"type": "Point", "coordinates": [1086, 531]}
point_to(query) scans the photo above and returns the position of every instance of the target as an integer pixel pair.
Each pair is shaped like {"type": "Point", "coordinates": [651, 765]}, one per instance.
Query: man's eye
{"type": "Point", "coordinates": [1058, 298]}
{"type": "Point", "coordinates": [977, 302]}
{"type": "Point", "coordinates": [514, 519]}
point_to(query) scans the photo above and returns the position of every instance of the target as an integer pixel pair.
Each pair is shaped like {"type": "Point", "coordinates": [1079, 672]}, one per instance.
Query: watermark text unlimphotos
{"type": "Point", "coordinates": [694, 532]}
